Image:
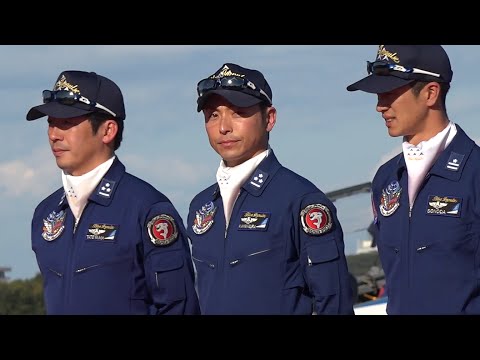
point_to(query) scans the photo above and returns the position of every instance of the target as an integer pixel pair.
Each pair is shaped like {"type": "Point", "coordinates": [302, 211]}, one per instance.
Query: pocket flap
{"type": "Point", "coordinates": [167, 261]}
{"type": "Point", "coordinates": [322, 252]}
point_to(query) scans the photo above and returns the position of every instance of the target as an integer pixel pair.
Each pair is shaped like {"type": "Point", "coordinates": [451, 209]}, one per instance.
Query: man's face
{"type": "Point", "coordinates": [76, 149]}
{"type": "Point", "coordinates": [405, 113]}
{"type": "Point", "coordinates": [236, 134]}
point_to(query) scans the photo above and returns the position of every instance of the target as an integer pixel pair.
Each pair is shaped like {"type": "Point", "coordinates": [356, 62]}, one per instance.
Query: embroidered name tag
{"type": "Point", "coordinates": [102, 232]}
{"type": "Point", "coordinates": [253, 220]}
{"type": "Point", "coordinates": [444, 205]}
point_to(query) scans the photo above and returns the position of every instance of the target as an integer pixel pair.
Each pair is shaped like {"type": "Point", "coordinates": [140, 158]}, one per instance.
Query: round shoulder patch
{"type": "Point", "coordinates": [316, 219]}
{"type": "Point", "coordinates": [162, 230]}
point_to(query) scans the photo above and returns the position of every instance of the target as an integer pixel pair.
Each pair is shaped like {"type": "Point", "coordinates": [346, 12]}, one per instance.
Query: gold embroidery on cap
{"type": "Point", "coordinates": [63, 84]}
{"type": "Point", "coordinates": [384, 54]}
{"type": "Point", "coordinates": [226, 72]}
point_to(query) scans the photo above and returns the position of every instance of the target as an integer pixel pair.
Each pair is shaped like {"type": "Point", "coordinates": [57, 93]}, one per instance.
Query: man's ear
{"type": "Point", "coordinates": [433, 92]}
{"type": "Point", "coordinates": [271, 118]}
{"type": "Point", "coordinates": [110, 129]}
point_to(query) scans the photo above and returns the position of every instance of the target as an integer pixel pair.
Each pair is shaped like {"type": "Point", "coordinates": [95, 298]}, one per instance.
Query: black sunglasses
{"type": "Point", "coordinates": [67, 97]}
{"type": "Point", "coordinates": [384, 68]}
{"type": "Point", "coordinates": [231, 83]}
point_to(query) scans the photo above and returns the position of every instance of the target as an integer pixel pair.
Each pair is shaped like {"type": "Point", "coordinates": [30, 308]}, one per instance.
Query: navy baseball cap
{"type": "Point", "coordinates": [240, 86]}
{"type": "Point", "coordinates": [399, 65]}
{"type": "Point", "coordinates": [77, 93]}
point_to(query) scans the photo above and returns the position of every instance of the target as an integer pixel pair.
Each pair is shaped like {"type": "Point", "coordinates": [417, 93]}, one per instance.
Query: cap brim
{"type": "Point", "coordinates": [378, 84]}
{"type": "Point", "coordinates": [234, 97]}
{"type": "Point", "coordinates": [56, 110]}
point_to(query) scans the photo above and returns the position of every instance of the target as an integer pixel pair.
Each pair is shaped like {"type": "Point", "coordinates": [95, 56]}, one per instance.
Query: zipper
{"type": "Point", "coordinates": [73, 245]}
{"type": "Point", "coordinates": [427, 175]}
{"type": "Point", "coordinates": [114, 261]}
{"type": "Point", "coordinates": [212, 266]}
{"type": "Point", "coordinates": [75, 224]}
{"type": "Point", "coordinates": [78, 271]}
{"type": "Point", "coordinates": [409, 240]}
{"type": "Point", "coordinates": [258, 252]}
{"type": "Point", "coordinates": [236, 261]}
{"type": "Point", "coordinates": [55, 272]}
{"type": "Point", "coordinates": [227, 224]}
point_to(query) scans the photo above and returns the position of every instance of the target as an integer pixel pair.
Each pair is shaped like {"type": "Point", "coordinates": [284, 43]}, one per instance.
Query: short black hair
{"type": "Point", "coordinates": [417, 86]}
{"type": "Point", "coordinates": [98, 118]}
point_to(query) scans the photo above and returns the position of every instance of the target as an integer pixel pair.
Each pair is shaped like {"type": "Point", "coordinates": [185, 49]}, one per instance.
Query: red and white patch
{"type": "Point", "coordinates": [162, 230]}
{"type": "Point", "coordinates": [316, 219]}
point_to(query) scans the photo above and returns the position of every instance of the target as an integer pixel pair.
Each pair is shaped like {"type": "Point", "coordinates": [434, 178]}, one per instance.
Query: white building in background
{"type": "Point", "coordinates": [365, 246]}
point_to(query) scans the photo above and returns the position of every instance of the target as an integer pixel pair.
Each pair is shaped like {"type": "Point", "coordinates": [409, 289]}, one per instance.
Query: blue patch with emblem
{"type": "Point", "coordinates": [106, 188]}
{"type": "Point", "coordinates": [254, 220]}
{"type": "Point", "coordinates": [454, 161]}
{"type": "Point", "coordinates": [258, 178]}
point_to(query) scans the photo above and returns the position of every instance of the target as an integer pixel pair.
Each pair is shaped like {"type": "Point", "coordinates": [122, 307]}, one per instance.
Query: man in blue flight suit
{"type": "Point", "coordinates": [264, 239]}
{"type": "Point", "coordinates": [106, 242]}
{"type": "Point", "coordinates": [426, 200]}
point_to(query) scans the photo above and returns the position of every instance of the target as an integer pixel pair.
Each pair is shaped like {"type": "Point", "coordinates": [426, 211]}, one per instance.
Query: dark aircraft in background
{"type": "Point", "coordinates": [367, 287]}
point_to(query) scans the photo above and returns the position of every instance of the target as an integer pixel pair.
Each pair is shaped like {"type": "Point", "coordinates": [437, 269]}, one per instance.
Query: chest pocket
{"type": "Point", "coordinates": [322, 269]}
{"type": "Point", "coordinates": [166, 276]}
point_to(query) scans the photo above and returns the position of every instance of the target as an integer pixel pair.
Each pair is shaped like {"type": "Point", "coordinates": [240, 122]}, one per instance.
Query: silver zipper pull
{"type": "Point", "coordinates": [75, 225]}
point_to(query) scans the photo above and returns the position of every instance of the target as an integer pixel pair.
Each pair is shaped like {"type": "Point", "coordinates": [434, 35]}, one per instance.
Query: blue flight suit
{"type": "Point", "coordinates": [129, 253]}
{"type": "Point", "coordinates": [272, 259]}
{"type": "Point", "coordinates": [431, 254]}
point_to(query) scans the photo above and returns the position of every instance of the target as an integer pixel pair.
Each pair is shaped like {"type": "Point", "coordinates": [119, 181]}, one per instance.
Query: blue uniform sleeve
{"type": "Point", "coordinates": [168, 264]}
{"type": "Point", "coordinates": [323, 257]}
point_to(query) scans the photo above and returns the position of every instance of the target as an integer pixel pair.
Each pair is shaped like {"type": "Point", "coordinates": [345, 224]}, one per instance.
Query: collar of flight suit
{"type": "Point", "coordinates": [452, 160]}
{"type": "Point", "coordinates": [105, 190]}
{"type": "Point", "coordinates": [260, 178]}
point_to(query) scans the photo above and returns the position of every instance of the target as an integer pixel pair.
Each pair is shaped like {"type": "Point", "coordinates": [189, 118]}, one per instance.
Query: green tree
{"type": "Point", "coordinates": [22, 297]}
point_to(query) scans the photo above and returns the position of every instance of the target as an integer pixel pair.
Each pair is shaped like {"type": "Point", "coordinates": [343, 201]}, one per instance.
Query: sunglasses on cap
{"type": "Point", "coordinates": [66, 97]}
{"type": "Point", "coordinates": [229, 83]}
{"type": "Point", "coordinates": [384, 68]}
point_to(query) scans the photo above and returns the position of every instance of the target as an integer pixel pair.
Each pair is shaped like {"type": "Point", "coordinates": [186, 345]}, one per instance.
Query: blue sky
{"type": "Point", "coordinates": [333, 137]}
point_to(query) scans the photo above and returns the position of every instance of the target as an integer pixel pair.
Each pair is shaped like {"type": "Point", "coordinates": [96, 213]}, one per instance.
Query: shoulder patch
{"type": "Point", "coordinates": [316, 219]}
{"type": "Point", "coordinates": [162, 230]}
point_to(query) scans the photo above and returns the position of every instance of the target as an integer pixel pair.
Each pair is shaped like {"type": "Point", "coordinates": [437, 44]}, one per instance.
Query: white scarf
{"type": "Point", "coordinates": [79, 188]}
{"type": "Point", "coordinates": [230, 179]}
{"type": "Point", "coordinates": [420, 158]}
